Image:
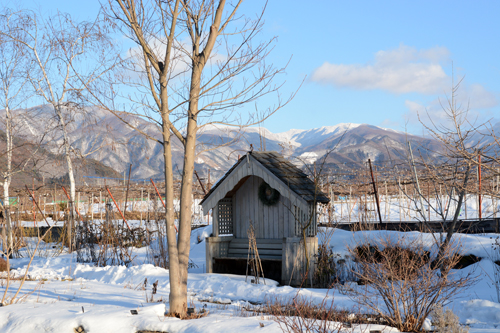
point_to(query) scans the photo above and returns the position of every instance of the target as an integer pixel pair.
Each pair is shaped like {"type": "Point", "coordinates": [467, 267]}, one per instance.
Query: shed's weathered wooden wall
{"type": "Point", "coordinates": [251, 167]}
{"type": "Point", "coordinates": [269, 221]}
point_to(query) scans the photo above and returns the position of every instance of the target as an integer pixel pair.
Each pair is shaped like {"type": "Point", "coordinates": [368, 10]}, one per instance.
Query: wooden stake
{"type": "Point", "coordinates": [375, 190]}
{"type": "Point", "coordinates": [128, 186]}
{"type": "Point", "coordinates": [479, 192]}
{"type": "Point", "coordinates": [117, 207]}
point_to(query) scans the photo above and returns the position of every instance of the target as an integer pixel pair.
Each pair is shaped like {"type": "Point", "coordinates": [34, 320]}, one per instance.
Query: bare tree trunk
{"type": "Point", "coordinates": [69, 163]}
{"type": "Point", "coordinates": [7, 180]}
{"type": "Point", "coordinates": [6, 211]}
{"type": "Point", "coordinates": [186, 201]}
{"type": "Point", "coordinates": [202, 21]}
{"type": "Point", "coordinates": [177, 300]}
{"type": "Point", "coordinates": [451, 228]}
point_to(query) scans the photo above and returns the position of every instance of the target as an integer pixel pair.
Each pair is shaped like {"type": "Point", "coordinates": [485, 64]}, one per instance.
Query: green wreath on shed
{"type": "Point", "coordinates": [268, 195]}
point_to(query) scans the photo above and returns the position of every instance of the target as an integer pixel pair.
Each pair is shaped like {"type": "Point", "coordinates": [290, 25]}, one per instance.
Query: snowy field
{"type": "Point", "coordinates": [343, 209]}
{"type": "Point", "coordinates": [401, 208]}
{"type": "Point", "coordinates": [63, 294]}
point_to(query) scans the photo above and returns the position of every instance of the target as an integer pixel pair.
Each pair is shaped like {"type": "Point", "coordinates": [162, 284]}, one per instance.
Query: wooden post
{"type": "Point", "coordinates": [92, 205]}
{"type": "Point", "coordinates": [34, 210]}
{"type": "Point", "coordinates": [387, 216]}
{"type": "Point", "coordinates": [199, 181]}
{"type": "Point", "coordinates": [142, 203]}
{"type": "Point", "coordinates": [100, 204]}
{"type": "Point", "coordinates": [126, 193]}
{"type": "Point", "coordinates": [209, 186]}
{"type": "Point", "coordinates": [56, 205]}
{"type": "Point", "coordinates": [117, 207]}
{"type": "Point", "coordinates": [341, 212]}
{"type": "Point", "coordinates": [375, 190]}
{"type": "Point", "coordinates": [465, 204]}
{"type": "Point", "coordinates": [479, 192]}
{"type": "Point", "coordinates": [406, 203]}
{"type": "Point", "coordinates": [428, 200]}
{"type": "Point", "coordinates": [399, 199]}
{"type": "Point", "coordinates": [350, 203]}
{"type": "Point", "coordinates": [332, 207]}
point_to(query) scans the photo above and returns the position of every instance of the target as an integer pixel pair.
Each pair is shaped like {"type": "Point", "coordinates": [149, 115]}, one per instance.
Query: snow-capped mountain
{"type": "Point", "coordinates": [99, 135]}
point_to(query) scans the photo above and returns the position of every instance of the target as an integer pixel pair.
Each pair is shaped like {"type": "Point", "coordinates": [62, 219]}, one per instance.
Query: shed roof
{"type": "Point", "coordinates": [285, 171]}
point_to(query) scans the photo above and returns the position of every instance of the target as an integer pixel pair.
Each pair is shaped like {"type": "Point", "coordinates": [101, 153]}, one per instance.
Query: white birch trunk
{"type": "Point", "coordinates": [69, 163]}
{"type": "Point", "coordinates": [7, 179]}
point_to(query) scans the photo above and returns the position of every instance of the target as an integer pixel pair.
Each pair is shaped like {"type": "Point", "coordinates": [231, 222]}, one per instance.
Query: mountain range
{"type": "Point", "coordinates": [99, 135]}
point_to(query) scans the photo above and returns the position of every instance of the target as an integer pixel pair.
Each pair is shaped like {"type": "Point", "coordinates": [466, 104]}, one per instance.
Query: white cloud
{"type": "Point", "coordinates": [473, 101]}
{"type": "Point", "coordinates": [389, 123]}
{"type": "Point", "coordinates": [400, 70]}
{"type": "Point", "coordinates": [478, 97]}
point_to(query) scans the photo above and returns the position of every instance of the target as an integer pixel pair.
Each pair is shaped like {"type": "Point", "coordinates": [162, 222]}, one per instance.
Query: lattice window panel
{"type": "Point", "coordinates": [225, 216]}
{"type": "Point", "coordinates": [302, 219]}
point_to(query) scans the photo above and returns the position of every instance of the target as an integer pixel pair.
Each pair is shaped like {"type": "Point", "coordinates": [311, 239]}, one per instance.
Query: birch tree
{"type": "Point", "coordinates": [66, 56]}
{"type": "Point", "coordinates": [13, 66]}
{"type": "Point", "coordinates": [196, 63]}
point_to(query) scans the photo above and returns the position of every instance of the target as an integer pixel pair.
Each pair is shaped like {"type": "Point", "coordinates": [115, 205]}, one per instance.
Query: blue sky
{"type": "Point", "coordinates": [375, 62]}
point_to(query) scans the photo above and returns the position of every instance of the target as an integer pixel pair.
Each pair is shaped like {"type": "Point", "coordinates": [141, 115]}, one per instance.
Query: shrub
{"type": "Point", "coordinates": [403, 278]}
{"type": "Point", "coordinates": [446, 321]}
{"type": "Point", "coordinates": [302, 315]}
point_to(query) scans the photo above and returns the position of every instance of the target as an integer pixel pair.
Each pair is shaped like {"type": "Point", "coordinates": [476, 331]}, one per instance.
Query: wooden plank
{"type": "Point", "coordinates": [258, 240]}
{"type": "Point", "coordinates": [233, 181]}
{"type": "Point", "coordinates": [259, 246]}
{"type": "Point", "coordinates": [262, 213]}
{"type": "Point", "coordinates": [261, 252]}
{"type": "Point", "coordinates": [286, 267]}
{"type": "Point", "coordinates": [280, 219]}
{"type": "Point", "coordinates": [236, 214]}
{"type": "Point", "coordinates": [233, 203]}
{"type": "Point", "coordinates": [244, 257]}
{"type": "Point", "coordinates": [243, 210]}
{"type": "Point", "coordinates": [251, 202]}
{"type": "Point", "coordinates": [275, 212]}
{"type": "Point", "coordinates": [272, 179]}
{"type": "Point", "coordinates": [218, 194]}
{"type": "Point", "coordinates": [286, 218]}
{"type": "Point", "coordinates": [258, 172]}
{"type": "Point", "coordinates": [265, 217]}
{"type": "Point", "coordinates": [215, 223]}
{"type": "Point", "coordinates": [266, 220]}
{"type": "Point", "coordinates": [255, 206]}
{"type": "Point", "coordinates": [247, 204]}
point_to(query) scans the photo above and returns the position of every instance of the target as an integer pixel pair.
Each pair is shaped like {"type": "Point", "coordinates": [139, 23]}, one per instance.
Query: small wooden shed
{"type": "Point", "coordinates": [280, 201]}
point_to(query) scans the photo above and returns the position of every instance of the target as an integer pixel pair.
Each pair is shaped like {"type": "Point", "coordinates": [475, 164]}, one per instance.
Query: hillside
{"type": "Point", "coordinates": [36, 163]}
{"type": "Point", "coordinates": [104, 138]}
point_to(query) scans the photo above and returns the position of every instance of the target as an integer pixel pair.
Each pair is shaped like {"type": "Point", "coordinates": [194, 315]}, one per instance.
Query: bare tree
{"type": "Point", "coordinates": [446, 172]}
{"type": "Point", "coordinates": [66, 56]}
{"type": "Point", "coordinates": [13, 66]}
{"type": "Point", "coordinates": [196, 64]}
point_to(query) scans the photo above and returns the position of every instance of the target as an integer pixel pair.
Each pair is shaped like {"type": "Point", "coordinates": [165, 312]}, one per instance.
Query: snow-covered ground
{"type": "Point", "coordinates": [401, 208]}
{"type": "Point", "coordinates": [344, 209]}
{"type": "Point", "coordinates": [63, 294]}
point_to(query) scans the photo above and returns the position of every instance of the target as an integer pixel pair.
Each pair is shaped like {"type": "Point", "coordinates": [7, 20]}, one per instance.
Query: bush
{"type": "Point", "coordinates": [302, 315]}
{"type": "Point", "coordinates": [446, 321]}
{"type": "Point", "coordinates": [402, 276]}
